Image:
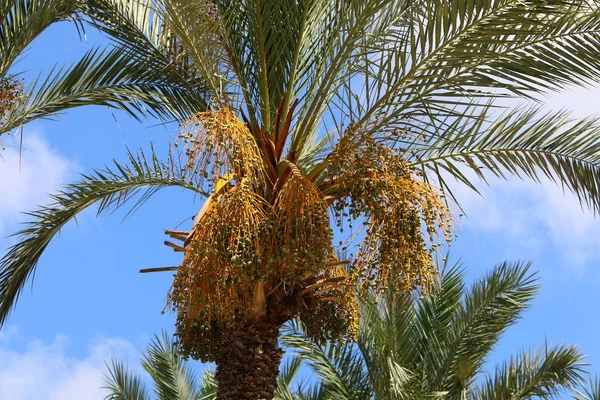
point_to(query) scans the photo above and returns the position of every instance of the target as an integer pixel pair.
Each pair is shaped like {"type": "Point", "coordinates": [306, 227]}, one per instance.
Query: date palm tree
{"type": "Point", "coordinates": [436, 347]}
{"type": "Point", "coordinates": [308, 119]}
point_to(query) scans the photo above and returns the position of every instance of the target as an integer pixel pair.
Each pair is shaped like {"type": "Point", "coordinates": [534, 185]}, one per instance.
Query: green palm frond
{"type": "Point", "coordinates": [115, 78]}
{"type": "Point", "coordinates": [173, 379]}
{"type": "Point", "coordinates": [541, 374]}
{"type": "Point", "coordinates": [124, 384]}
{"type": "Point", "coordinates": [400, 333]}
{"type": "Point", "coordinates": [435, 347]}
{"type": "Point", "coordinates": [490, 307]}
{"type": "Point", "coordinates": [131, 24]}
{"type": "Point", "coordinates": [21, 21]}
{"type": "Point", "coordinates": [198, 33]}
{"type": "Point", "coordinates": [341, 40]}
{"type": "Point", "coordinates": [589, 391]}
{"type": "Point", "coordinates": [139, 28]}
{"type": "Point", "coordinates": [288, 371]}
{"type": "Point", "coordinates": [138, 74]}
{"type": "Point", "coordinates": [520, 143]}
{"type": "Point", "coordinates": [110, 188]}
{"type": "Point", "coordinates": [337, 365]}
{"type": "Point", "coordinates": [449, 53]}
{"type": "Point", "coordinates": [208, 386]}
{"type": "Point", "coordinates": [433, 324]}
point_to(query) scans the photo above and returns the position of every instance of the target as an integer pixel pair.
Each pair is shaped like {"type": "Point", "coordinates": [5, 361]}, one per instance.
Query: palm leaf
{"type": "Point", "coordinates": [591, 391]}
{"type": "Point", "coordinates": [337, 365]}
{"type": "Point", "coordinates": [139, 28]}
{"type": "Point", "coordinates": [136, 75]}
{"type": "Point", "coordinates": [173, 379]}
{"type": "Point", "coordinates": [111, 188]}
{"type": "Point", "coordinates": [520, 143]}
{"type": "Point", "coordinates": [541, 374]}
{"type": "Point", "coordinates": [491, 306]}
{"type": "Point", "coordinates": [288, 372]}
{"type": "Point", "coordinates": [123, 384]}
{"type": "Point", "coordinates": [115, 78]}
{"type": "Point", "coordinates": [21, 21]}
{"type": "Point", "coordinates": [449, 53]}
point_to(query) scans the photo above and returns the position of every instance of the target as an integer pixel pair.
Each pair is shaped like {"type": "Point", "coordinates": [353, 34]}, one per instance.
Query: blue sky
{"type": "Point", "coordinates": [89, 303]}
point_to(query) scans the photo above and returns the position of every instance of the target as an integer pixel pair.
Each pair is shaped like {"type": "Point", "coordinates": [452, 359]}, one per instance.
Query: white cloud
{"type": "Point", "coordinates": [583, 101]}
{"type": "Point", "coordinates": [46, 371]}
{"type": "Point", "coordinates": [27, 176]}
{"type": "Point", "coordinates": [533, 218]}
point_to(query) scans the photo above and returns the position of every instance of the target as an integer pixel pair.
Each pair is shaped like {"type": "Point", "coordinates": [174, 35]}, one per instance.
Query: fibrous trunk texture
{"type": "Point", "coordinates": [248, 365]}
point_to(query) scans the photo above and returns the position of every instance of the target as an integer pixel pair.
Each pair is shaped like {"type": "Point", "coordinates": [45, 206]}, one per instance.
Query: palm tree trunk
{"type": "Point", "coordinates": [248, 365]}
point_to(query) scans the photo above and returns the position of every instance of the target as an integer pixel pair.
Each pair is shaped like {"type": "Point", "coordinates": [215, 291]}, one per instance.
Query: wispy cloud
{"type": "Point", "coordinates": [527, 217]}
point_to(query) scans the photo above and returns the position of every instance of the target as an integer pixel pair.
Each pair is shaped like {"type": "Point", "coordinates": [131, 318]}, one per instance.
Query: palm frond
{"type": "Point", "coordinates": [124, 384]}
{"type": "Point", "coordinates": [400, 333]}
{"type": "Point", "coordinates": [138, 74]}
{"type": "Point", "coordinates": [173, 379]}
{"type": "Point", "coordinates": [491, 306]}
{"type": "Point", "coordinates": [432, 326]}
{"type": "Point", "coordinates": [21, 21]}
{"type": "Point", "coordinates": [115, 78]}
{"type": "Point", "coordinates": [111, 188]}
{"type": "Point", "coordinates": [589, 391]}
{"type": "Point", "coordinates": [522, 143]}
{"type": "Point", "coordinates": [288, 372]}
{"type": "Point", "coordinates": [447, 54]}
{"type": "Point", "coordinates": [208, 386]}
{"type": "Point", "coordinates": [338, 365]}
{"type": "Point", "coordinates": [198, 42]}
{"type": "Point", "coordinates": [541, 374]}
{"type": "Point", "coordinates": [338, 37]}
{"type": "Point", "coordinates": [140, 28]}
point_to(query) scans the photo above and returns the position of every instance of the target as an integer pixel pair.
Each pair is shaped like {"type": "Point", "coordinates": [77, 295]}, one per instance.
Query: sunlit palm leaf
{"type": "Point", "coordinates": [591, 391]}
{"type": "Point", "coordinates": [111, 188]}
{"type": "Point", "coordinates": [541, 374]}
{"type": "Point", "coordinates": [338, 366]}
{"type": "Point", "coordinates": [490, 307]}
{"type": "Point", "coordinates": [124, 384]}
{"type": "Point", "coordinates": [21, 21]}
{"type": "Point", "coordinates": [522, 143]}
{"type": "Point", "coordinates": [434, 348]}
{"type": "Point", "coordinates": [173, 378]}
{"type": "Point", "coordinates": [116, 78]}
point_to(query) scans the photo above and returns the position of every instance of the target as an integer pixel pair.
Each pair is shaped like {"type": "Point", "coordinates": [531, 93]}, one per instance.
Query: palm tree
{"type": "Point", "coordinates": [173, 379]}
{"type": "Point", "coordinates": [436, 347]}
{"type": "Point", "coordinates": [309, 116]}
{"type": "Point", "coordinates": [110, 76]}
